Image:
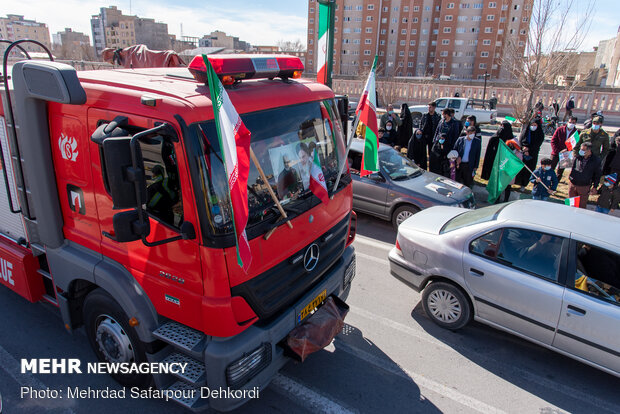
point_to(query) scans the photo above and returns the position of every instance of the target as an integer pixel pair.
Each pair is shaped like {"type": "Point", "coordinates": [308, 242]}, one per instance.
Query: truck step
{"type": "Point", "coordinates": [183, 338]}
{"type": "Point", "coordinates": [188, 396]}
{"type": "Point", "coordinates": [194, 373]}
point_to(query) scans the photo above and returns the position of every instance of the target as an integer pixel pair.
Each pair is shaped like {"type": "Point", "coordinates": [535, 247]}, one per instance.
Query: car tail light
{"type": "Point", "coordinates": [233, 68]}
{"type": "Point", "coordinates": [398, 246]}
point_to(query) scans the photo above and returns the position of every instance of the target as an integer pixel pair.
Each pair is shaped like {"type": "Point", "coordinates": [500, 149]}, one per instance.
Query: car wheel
{"type": "Point", "coordinates": [111, 337]}
{"type": "Point", "coordinates": [402, 213]}
{"type": "Point", "coordinates": [446, 305]}
{"type": "Point", "coordinates": [416, 119]}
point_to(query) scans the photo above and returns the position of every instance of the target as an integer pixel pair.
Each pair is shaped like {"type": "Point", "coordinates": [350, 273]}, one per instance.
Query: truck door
{"type": "Point", "coordinates": [170, 273]}
{"type": "Point", "coordinates": [456, 105]}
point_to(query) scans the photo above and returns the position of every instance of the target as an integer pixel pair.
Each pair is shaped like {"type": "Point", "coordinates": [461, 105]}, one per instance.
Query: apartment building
{"type": "Point", "coordinates": [111, 28]}
{"type": "Point", "coordinates": [14, 27]}
{"type": "Point", "coordinates": [462, 39]}
{"type": "Point", "coordinates": [69, 44]}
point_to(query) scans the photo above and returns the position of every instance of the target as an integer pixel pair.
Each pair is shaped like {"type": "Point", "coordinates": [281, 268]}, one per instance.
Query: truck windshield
{"type": "Point", "coordinates": [284, 140]}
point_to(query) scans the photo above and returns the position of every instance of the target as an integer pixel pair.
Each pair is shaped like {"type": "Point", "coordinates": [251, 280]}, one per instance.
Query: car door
{"type": "Point", "coordinates": [369, 192]}
{"type": "Point", "coordinates": [516, 276]}
{"type": "Point", "coordinates": [589, 324]}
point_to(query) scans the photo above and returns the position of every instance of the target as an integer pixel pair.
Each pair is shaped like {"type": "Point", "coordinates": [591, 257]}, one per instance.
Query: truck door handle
{"type": "Point", "coordinates": [575, 310]}
{"type": "Point", "coordinates": [475, 272]}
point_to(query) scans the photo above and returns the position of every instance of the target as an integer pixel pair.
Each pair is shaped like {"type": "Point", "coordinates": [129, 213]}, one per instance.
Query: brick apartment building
{"type": "Point", "coordinates": [111, 28]}
{"type": "Point", "coordinates": [462, 39]}
{"type": "Point", "coordinates": [15, 27]}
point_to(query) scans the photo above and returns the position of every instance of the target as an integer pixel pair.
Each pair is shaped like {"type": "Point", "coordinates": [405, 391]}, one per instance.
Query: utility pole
{"type": "Point", "coordinates": [484, 91]}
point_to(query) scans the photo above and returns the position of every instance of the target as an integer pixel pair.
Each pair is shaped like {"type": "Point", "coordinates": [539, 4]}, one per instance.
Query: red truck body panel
{"type": "Point", "coordinates": [18, 270]}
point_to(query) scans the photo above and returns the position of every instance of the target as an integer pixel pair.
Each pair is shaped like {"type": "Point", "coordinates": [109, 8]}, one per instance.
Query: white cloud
{"type": "Point", "coordinates": [255, 26]}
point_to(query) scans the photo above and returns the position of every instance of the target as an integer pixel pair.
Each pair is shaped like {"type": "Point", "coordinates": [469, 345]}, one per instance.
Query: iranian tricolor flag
{"type": "Point", "coordinates": [367, 113]}
{"type": "Point", "coordinates": [317, 179]}
{"type": "Point", "coordinates": [572, 141]}
{"type": "Point", "coordinates": [321, 68]}
{"type": "Point", "coordinates": [573, 201]}
{"type": "Point", "coordinates": [234, 140]}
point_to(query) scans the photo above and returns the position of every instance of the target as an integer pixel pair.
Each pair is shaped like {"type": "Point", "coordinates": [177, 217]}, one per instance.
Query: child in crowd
{"type": "Point", "coordinates": [609, 195]}
{"type": "Point", "coordinates": [452, 157]}
{"type": "Point", "coordinates": [544, 175]}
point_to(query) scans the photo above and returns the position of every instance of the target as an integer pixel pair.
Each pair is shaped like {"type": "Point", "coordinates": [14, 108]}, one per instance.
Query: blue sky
{"type": "Point", "coordinates": [256, 21]}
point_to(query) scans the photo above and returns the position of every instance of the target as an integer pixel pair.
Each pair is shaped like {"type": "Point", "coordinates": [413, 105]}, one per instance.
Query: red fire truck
{"type": "Point", "coordinates": [115, 209]}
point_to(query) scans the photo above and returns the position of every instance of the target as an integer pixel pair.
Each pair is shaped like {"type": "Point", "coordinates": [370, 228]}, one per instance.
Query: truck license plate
{"type": "Point", "coordinates": [314, 303]}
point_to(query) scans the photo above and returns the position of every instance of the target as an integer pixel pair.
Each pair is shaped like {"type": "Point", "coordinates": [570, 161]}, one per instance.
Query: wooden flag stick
{"type": "Point", "coordinates": [541, 182]}
{"type": "Point", "coordinates": [273, 195]}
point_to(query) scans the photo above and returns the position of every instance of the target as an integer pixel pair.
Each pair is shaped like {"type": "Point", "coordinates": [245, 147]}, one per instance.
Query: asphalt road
{"type": "Point", "coordinates": [389, 358]}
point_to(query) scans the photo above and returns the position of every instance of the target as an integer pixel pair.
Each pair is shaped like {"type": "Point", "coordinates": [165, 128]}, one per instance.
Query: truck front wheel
{"type": "Point", "coordinates": [111, 337]}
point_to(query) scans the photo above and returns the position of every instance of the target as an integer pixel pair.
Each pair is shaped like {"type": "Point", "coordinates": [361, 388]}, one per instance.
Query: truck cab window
{"type": "Point", "coordinates": [164, 201]}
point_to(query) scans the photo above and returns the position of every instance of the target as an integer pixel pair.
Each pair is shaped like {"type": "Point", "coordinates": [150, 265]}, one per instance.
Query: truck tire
{"type": "Point", "coordinates": [111, 337]}
{"type": "Point", "coordinates": [402, 213]}
{"type": "Point", "coordinates": [446, 305]}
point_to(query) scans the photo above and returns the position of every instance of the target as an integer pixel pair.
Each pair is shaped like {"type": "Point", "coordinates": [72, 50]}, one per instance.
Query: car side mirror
{"type": "Point", "coordinates": [377, 177]}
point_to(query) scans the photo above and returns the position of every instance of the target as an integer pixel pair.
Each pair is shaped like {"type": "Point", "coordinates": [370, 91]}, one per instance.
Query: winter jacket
{"type": "Point", "coordinates": [474, 151]}
{"type": "Point", "coordinates": [599, 140]}
{"type": "Point", "coordinates": [585, 171]}
{"type": "Point", "coordinates": [549, 178]}
{"type": "Point", "coordinates": [452, 128]}
{"type": "Point", "coordinates": [609, 198]}
{"type": "Point", "coordinates": [558, 141]}
{"type": "Point", "coordinates": [428, 125]}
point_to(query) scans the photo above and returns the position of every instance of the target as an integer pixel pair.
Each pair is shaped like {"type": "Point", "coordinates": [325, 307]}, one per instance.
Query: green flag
{"type": "Point", "coordinates": [505, 167]}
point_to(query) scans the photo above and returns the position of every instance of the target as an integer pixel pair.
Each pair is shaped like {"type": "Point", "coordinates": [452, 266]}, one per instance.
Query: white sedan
{"type": "Point", "coordinates": [543, 271]}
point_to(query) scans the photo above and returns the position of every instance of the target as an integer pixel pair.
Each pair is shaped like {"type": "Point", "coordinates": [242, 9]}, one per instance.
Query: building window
{"type": "Point", "coordinates": [346, 30]}
{"type": "Point", "coordinates": [409, 64]}
{"type": "Point", "coordinates": [405, 20]}
{"type": "Point", "coordinates": [367, 41]}
{"type": "Point", "coordinates": [504, 7]}
{"type": "Point", "coordinates": [424, 31]}
{"type": "Point", "coordinates": [394, 20]}
{"type": "Point", "coordinates": [462, 18]}
{"type": "Point", "coordinates": [414, 31]}
{"type": "Point", "coordinates": [490, 17]}
{"type": "Point", "coordinates": [369, 18]}
{"type": "Point", "coordinates": [486, 42]}
{"type": "Point", "coordinates": [405, 8]}
{"type": "Point", "coordinates": [433, 43]}
{"type": "Point", "coordinates": [367, 52]}
{"type": "Point", "coordinates": [382, 31]}
{"type": "Point", "coordinates": [310, 31]}
{"type": "Point", "coordinates": [382, 42]}
{"type": "Point", "coordinates": [516, 7]}
{"type": "Point", "coordinates": [464, 6]}
{"type": "Point", "coordinates": [415, 19]}
{"type": "Point", "coordinates": [371, 7]}
{"type": "Point", "coordinates": [524, 20]}
{"type": "Point", "coordinates": [484, 54]}
{"type": "Point", "coordinates": [500, 31]}
{"type": "Point", "coordinates": [447, 29]}
{"type": "Point", "coordinates": [403, 32]}
{"type": "Point", "coordinates": [390, 54]}
{"type": "Point", "coordinates": [460, 30]}
{"type": "Point", "coordinates": [386, 9]}
{"type": "Point", "coordinates": [412, 43]}
{"type": "Point", "coordinates": [395, 8]}
{"type": "Point", "coordinates": [445, 42]}
{"type": "Point", "coordinates": [416, 8]}
{"type": "Point", "coordinates": [488, 30]}
{"type": "Point", "coordinates": [482, 66]}
{"type": "Point", "coordinates": [478, 5]}
{"type": "Point", "coordinates": [436, 20]}
{"type": "Point", "coordinates": [458, 42]}
{"type": "Point", "coordinates": [311, 41]}
{"type": "Point", "coordinates": [381, 53]}
{"type": "Point", "coordinates": [411, 54]}
{"type": "Point", "coordinates": [435, 31]}
{"type": "Point", "coordinates": [422, 42]}
{"type": "Point", "coordinates": [368, 30]}
{"type": "Point", "coordinates": [492, 5]}
{"type": "Point", "coordinates": [522, 32]}
{"type": "Point", "coordinates": [402, 43]}
{"type": "Point", "coordinates": [311, 21]}
{"type": "Point", "coordinates": [366, 63]}
{"type": "Point", "coordinates": [356, 30]}
{"type": "Point", "coordinates": [449, 18]}
{"type": "Point", "coordinates": [401, 53]}
{"type": "Point", "coordinates": [384, 20]}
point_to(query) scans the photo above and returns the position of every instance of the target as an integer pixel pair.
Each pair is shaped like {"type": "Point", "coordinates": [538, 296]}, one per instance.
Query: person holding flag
{"type": "Point", "coordinates": [506, 166]}
{"type": "Point", "coordinates": [234, 139]}
{"type": "Point", "coordinates": [565, 138]}
{"type": "Point", "coordinates": [585, 175]}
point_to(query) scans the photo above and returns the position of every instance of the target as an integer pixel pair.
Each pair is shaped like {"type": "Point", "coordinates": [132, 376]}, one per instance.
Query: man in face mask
{"type": "Point", "coordinates": [585, 174]}
{"type": "Point", "coordinates": [558, 143]}
{"type": "Point", "coordinates": [597, 136]}
{"type": "Point", "coordinates": [469, 147]}
{"type": "Point", "coordinates": [390, 115]}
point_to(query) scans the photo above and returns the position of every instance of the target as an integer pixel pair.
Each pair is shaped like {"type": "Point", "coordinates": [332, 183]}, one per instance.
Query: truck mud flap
{"type": "Point", "coordinates": [318, 331]}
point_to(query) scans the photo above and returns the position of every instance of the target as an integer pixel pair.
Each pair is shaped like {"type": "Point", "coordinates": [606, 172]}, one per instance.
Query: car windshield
{"type": "Point", "coordinates": [471, 217]}
{"type": "Point", "coordinates": [397, 166]}
{"type": "Point", "coordinates": [284, 140]}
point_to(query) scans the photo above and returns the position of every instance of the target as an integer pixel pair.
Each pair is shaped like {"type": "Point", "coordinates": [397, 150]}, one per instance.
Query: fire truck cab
{"type": "Point", "coordinates": [116, 210]}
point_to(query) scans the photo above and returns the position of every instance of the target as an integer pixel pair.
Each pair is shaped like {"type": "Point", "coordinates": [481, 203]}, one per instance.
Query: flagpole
{"type": "Point", "coordinates": [543, 184]}
{"type": "Point", "coordinates": [356, 122]}
{"type": "Point", "coordinates": [273, 195]}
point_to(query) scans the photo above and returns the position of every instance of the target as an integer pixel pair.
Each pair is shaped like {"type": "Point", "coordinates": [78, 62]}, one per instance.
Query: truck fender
{"type": "Point", "coordinates": [73, 262]}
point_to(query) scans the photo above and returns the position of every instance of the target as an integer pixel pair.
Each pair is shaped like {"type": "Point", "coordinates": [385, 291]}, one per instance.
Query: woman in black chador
{"type": "Point", "coordinates": [504, 133]}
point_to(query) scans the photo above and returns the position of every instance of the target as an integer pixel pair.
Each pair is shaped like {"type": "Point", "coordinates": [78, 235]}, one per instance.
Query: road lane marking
{"type": "Point", "coordinates": [372, 242]}
{"type": "Point", "coordinates": [422, 381]}
{"type": "Point", "coordinates": [526, 375]}
{"type": "Point", "coordinates": [373, 258]}
{"type": "Point", "coordinates": [309, 398]}
{"type": "Point", "coordinates": [12, 367]}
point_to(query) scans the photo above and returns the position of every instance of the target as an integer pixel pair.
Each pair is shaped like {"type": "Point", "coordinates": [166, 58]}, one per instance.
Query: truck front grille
{"type": "Point", "coordinates": [284, 284]}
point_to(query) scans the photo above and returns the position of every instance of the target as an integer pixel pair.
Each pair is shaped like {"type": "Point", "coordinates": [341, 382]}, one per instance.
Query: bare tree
{"type": "Point", "coordinates": [291, 46]}
{"type": "Point", "coordinates": [555, 26]}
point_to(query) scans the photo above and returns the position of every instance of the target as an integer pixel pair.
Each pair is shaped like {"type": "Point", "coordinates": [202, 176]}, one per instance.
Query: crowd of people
{"type": "Point", "coordinates": [446, 146]}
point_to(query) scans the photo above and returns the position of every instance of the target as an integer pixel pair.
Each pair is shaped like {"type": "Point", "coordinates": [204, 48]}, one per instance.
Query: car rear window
{"type": "Point", "coordinates": [471, 217]}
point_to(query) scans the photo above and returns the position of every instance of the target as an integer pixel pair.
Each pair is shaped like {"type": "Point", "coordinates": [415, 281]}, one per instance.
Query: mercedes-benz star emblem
{"type": "Point", "coordinates": [311, 258]}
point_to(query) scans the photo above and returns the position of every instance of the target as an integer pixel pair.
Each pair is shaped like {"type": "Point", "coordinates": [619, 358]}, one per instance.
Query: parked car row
{"type": "Point", "coordinates": [552, 277]}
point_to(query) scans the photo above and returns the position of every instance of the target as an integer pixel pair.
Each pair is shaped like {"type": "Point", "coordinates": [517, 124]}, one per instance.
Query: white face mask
{"type": "Point", "coordinates": [596, 127]}
{"type": "Point", "coordinates": [471, 136]}
{"type": "Point", "coordinates": [533, 127]}
{"type": "Point", "coordinates": [570, 126]}
{"type": "Point", "coordinates": [388, 127]}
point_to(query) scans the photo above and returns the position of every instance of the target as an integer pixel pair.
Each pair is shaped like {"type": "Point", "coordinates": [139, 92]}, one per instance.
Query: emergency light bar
{"type": "Point", "coordinates": [232, 68]}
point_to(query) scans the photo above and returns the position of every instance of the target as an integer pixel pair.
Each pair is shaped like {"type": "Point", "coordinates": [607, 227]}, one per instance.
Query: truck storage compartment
{"type": "Point", "coordinates": [18, 270]}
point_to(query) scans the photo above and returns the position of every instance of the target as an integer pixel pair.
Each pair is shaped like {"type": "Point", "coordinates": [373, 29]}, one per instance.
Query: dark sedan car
{"type": "Point", "coordinates": [401, 189]}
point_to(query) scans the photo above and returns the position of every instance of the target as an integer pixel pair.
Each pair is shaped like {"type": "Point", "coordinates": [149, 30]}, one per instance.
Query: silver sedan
{"type": "Point", "coordinates": [543, 271]}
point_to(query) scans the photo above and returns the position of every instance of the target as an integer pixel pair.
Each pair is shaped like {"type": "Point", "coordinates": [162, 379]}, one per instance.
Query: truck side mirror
{"type": "Point", "coordinates": [342, 102]}
{"type": "Point", "coordinates": [121, 174]}
{"type": "Point", "coordinates": [127, 227]}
